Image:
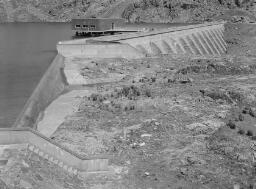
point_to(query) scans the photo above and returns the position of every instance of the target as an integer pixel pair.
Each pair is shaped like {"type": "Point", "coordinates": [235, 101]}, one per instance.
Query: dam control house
{"type": "Point", "coordinates": [96, 26]}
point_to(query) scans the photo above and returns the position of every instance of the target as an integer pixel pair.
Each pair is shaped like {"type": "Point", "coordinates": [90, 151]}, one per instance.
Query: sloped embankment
{"type": "Point", "coordinates": [50, 86]}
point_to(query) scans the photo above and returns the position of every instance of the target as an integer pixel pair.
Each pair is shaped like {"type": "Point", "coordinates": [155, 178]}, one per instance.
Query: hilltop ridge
{"type": "Point", "coordinates": [132, 10]}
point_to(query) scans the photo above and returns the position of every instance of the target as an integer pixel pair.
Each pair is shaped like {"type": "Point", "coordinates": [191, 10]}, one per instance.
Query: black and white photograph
{"type": "Point", "coordinates": [127, 94]}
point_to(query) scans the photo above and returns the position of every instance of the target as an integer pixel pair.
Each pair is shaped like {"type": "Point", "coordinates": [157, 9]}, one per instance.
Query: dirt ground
{"type": "Point", "coordinates": [176, 122]}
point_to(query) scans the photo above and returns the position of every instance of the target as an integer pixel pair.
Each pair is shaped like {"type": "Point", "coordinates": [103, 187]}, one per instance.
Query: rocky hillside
{"type": "Point", "coordinates": [132, 10]}
{"type": "Point", "coordinates": [178, 122]}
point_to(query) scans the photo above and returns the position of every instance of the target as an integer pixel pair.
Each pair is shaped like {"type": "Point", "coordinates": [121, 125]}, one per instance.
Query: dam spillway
{"type": "Point", "coordinates": [53, 99]}
{"type": "Point", "coordinates": [202, 39]}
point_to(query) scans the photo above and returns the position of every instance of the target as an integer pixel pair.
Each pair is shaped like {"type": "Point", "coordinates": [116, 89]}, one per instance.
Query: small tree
{"type": "Point", "coordinates": [241, 132]}
{"type": "Point", "coordinates": [231, 125]}
{"type": "Point", "coordinates": [249, 133]}
{"type": "Point", "coordinates": [241, 117]}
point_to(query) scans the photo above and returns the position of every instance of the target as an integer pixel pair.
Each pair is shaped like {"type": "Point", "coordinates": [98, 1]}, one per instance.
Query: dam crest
{"type": "Point", "coordinates": [202, 39]}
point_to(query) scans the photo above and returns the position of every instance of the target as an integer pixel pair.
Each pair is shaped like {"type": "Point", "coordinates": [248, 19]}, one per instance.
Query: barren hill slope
{"type": "Point", "coordinates": [132, 10]}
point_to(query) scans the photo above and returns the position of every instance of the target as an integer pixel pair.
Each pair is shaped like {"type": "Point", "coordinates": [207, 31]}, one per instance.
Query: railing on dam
{"type": "Point", "coordinates": [52, 151]}
{"type": "Point", "coordinates": [201, 39]}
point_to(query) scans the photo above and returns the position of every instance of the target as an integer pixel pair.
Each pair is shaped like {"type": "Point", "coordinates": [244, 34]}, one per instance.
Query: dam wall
{"type": "Point", "coordinates": [92, 49]}
{"type": "Point", "coordinates": [52, 151]}
{"type": "Point", "coordinates": [196, 41]}
{"type": "Point", "coordinates": [13, 136]}
{"type": "Point", "coordinates": [202, 39]}
{"type": "Point", "coordinates": [50, 86]}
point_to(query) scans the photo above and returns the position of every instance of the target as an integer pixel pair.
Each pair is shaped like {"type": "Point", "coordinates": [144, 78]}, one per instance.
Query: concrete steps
{"type": "Point", "coordinates": [52, 159]}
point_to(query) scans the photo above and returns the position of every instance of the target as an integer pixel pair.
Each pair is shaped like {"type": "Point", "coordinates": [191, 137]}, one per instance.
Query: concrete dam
{"type": "Point", "coordinates": [60, 89]}
{"type": "Point", "coordinates": [201, 39]}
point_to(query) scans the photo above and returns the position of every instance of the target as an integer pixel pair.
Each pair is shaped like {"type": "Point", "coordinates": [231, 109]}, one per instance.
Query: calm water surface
{"type": "Point", "coordinates": [26, 51]}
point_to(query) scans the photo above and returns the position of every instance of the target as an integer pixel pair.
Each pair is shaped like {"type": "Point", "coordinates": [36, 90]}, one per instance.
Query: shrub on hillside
{"type": "Point", "coordinates": [252, 112]}
{"type": "Point", "coordinates": [246, 110]}
{"type": "Point", "coordinates": [241, 132]}
{"type": "Point", "coordinates": [249, 133]}
{"type": "Point", "coordinates": [241, 117]}
{"type": "Point", "coordinates": [231, 125]}
{"type": "Point", "coordinates": [148, 93]}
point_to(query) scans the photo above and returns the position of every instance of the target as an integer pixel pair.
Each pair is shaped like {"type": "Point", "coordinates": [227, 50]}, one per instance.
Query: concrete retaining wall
{"type": "Point", "coordinates": [52, 151]}
{"type": "Point", "coordinates": [13, 136]}
{"type": "Point", "coordinates": [99, 50]}
{"type": "Point", "coordinates": [201, 39]}
{"type": "Point", "coordinates": [50, 86]}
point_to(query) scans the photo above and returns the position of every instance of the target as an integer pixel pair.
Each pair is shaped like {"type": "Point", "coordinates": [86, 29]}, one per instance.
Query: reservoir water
{"type": "Point", "coordinates": [26, 51]}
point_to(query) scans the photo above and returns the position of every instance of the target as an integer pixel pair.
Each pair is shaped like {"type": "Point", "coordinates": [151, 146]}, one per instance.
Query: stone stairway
{"type": "Point", "coordinates": [52, 159]}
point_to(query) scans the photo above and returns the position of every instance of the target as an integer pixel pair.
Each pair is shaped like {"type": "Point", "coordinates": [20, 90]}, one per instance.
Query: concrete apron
{"type": "Point", "coordinates": [59, 109]}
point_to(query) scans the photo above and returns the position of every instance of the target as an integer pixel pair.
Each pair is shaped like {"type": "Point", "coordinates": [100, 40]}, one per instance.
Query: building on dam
{"type": "Point", "coordinates": [97, 26]}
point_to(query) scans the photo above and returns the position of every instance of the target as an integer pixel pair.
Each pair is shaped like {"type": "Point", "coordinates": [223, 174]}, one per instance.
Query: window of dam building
{"type": "Point", "coordinates": [26, 51]}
